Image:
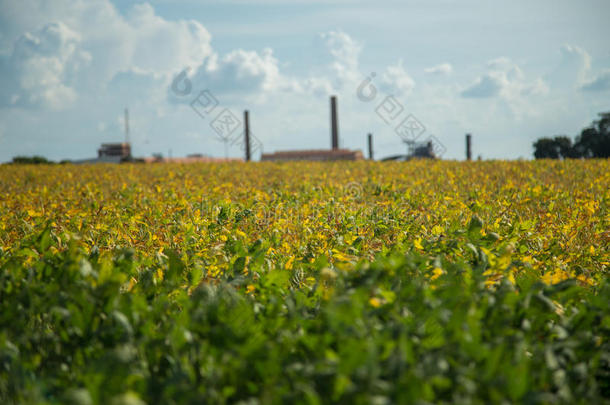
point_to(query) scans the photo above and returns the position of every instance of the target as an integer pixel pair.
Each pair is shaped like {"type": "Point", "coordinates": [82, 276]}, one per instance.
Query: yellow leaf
{"type": "Point", "coordinates": [375, 302]}
{"type": "Point", "coordinates": [436, 273]}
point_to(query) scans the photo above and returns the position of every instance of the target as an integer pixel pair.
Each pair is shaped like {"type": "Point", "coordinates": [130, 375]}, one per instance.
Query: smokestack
{"type": "Point", "coordinates": [468, 147]}
{"type": "Point", "coordinates": [370, 146]}
{"type": "Point", "coordinates": [334, 125]}
{"type": "Point", "coordinates": [247, 134]}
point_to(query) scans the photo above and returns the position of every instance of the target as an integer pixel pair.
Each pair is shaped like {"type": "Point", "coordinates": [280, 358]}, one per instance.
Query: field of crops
{"type": "Point", "coordinates": [351, 283]}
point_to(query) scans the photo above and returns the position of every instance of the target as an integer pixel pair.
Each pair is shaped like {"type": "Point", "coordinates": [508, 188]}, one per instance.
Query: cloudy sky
{"type": "Point", "coordinates": [507, 72]}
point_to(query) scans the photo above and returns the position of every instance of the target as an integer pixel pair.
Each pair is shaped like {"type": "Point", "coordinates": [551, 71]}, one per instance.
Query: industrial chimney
{"type": "Point", "coordinates": [334, 125]}
{"type": "Point", "coordinates": [468, 147]}
{"type": "Point", "coordinates": [370, 146]}
{"type": "Point", "coordinates": [126, 125]}
{"type": "Point", "coordinates": [247, 134]}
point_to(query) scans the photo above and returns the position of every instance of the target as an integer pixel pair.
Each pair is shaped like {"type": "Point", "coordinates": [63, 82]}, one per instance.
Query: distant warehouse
{"type": "Point", "coordinates": [115, 150]}
{"type": "Point", "coordinates": [109, 153]}
{"type": "Point", "coordinates": [315, 154]}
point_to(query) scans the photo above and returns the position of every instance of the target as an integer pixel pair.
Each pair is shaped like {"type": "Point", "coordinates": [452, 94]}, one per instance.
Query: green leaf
{"type": "Point", "coordinates": [239, 265]}
{"type": "Point", "coordinates": [474, 227]}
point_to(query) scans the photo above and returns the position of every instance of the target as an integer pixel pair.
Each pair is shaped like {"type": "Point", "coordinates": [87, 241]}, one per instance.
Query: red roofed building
{"type": "Point", "coordinates": [190, 159]}
{"type": "Point", "coordinates": [313, 154]}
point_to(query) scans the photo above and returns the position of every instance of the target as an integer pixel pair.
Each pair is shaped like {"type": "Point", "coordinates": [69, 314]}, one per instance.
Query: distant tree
{"type": "Point", "coordinates": [593, 142]}
{"type": "Point", "coordinates": [586, 142]}
{"type": "Point", "coordinates": [564, 145]}
{"type": "Point", "coordinates": [546, 148]}
{"type": "Point", "coordinates": [31, 160]}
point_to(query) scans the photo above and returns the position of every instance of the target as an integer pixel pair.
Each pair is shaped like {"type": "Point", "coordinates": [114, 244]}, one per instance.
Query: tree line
{"type": "Point", "coordinates": [592, 142]}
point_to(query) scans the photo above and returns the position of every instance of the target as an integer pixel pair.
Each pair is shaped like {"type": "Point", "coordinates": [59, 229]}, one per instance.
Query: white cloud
{"type": "Point", "coordinates": [240, 71]}
{"type": "Point", "coordinates": [444, 69]}
{"type": "Point", "coordinates": [500, 63]}
{"type": "Point", "coordinates": [344, 73]}
{"type": "Point", "coordinates": [86, 44]}
{"type": "Point", "coordinates": [318, 86]}
{"type": "Point", "coordinates": [395, 80]}
{"type": "Point", "coordinates": [488, 85]}
{"type": "Point", "coordinates": [43, 68]}
{"type": "Point", "coordinates": [572, 69]}
{"type": "Point", "coordinates": [505, 67]}
{"type": "Point", "coordinates": [343, 48]}
{"type": "Point", "coordinates": [138, 86]}
{"type": "Point", "coordinates": [255, 75]}
{"type": "Point", "coordinates": [601, 82]}
{"type": "Point", "coordinates": [537, 88]}
{"type": "Point", "coordinates": [345, 52]}
{"type": "Point", "coordinates": [165, 46]}
{"type": "Point", "coordinates": [505, 79]}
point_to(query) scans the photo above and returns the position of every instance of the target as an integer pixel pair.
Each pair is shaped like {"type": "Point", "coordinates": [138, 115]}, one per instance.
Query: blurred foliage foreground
{"type": "Point", "coordinates": [355, 283]}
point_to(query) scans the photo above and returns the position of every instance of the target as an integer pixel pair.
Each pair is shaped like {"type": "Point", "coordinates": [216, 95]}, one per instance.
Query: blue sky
{"type": "Point", "coordinates": [507, 72]}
